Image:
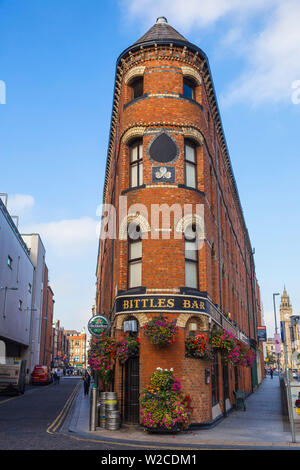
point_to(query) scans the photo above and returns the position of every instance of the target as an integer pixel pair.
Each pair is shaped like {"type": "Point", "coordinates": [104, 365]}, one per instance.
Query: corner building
{"type": "Point", "coordinates": [167, 148]}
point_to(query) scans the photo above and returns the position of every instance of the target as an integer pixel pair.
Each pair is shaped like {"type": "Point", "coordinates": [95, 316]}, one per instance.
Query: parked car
{"type": "Point", "coordinates": [295, 374]}
{"type": "Point", "coordinates": [41, 375]}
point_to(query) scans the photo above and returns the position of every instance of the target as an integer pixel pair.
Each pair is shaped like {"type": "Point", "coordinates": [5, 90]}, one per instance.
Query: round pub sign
{"type": "Point", "coordinates": [97, 325]}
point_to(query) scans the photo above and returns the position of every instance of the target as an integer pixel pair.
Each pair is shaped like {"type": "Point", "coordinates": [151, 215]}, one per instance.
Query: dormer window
{"type": "Point", "coordinates": [137, 87]}
{"type": "Point", "coordinates": [189, 89]}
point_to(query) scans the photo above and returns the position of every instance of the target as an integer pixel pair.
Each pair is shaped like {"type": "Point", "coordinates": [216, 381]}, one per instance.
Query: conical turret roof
{"type": "Point", "coordinates": [161, 31]}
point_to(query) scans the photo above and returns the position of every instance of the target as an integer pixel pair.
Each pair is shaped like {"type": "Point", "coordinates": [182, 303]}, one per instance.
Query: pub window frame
{"type": "Point", "coordinates": [137, 87]}
{"type": "Point", "coordinates": [190, 163]}
{"type": "Point", "coordinates": [190, 259]}
{"type": "Point", "coordinates": [134, 261]}
{"type": "Point", "coordinates": [136, 165]}
{"type": "Point", "coordinates": [189, 88]}
{"type": "Point", "coordinates": [215, 388]}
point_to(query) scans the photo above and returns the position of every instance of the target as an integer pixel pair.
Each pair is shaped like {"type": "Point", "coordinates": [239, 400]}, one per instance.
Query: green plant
{"type": "Point", "coordinates": [128, 346]}
{"type": "Point", "coordinates": [160, 331]}
{"type": "Point", "coordinates": [163, 406]}
{"type": "Point", "coordinates": [198, 347]}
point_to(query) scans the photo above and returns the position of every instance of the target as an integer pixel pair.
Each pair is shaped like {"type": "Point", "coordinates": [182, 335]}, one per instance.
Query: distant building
{"type": "Point", "coordinates": [47, 320]}
{"type": "Point", "coordinates": [270, 356]}
{"type": "Point", "coordinates": [60, 346]}
{"type": "Point", "coordinates": [290, 329]}
{"type": "Point", "coordinates": [77, 350]}
{"type": "Point", "coordinates": [37, 256]}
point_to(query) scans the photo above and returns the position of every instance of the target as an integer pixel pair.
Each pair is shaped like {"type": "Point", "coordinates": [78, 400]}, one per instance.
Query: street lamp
{"type": "Point", "coordinates": [276, 328]}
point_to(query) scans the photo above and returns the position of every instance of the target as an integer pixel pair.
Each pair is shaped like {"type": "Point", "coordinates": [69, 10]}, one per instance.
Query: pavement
{"type": "Point", "coordinates": [261, 426]}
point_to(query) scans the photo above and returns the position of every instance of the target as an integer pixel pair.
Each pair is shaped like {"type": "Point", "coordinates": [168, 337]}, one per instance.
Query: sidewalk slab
{"type": "Point", "coordinates": [260, 426]}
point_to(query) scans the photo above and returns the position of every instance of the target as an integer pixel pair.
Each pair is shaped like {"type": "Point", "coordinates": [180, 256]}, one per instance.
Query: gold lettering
{"type": "Point", "coordinates": [195, 304]}
{"type": "Point", "coordinates": [136, 301]}
{"type": "Point", "coordinates": [186, 303]}
{"type": "Point", "coordinates": [144, 302]}
{"type": "Point", "coordinates": [171, 303]}
{"type": "Point", "coordinates": [161, 303]}
{"type": "Point", "coordinates": [151, 303]}
{"type": "Point", "coordinates": [125, 304]}
{"type": "Point", "coordinates": [131, 303]}
{"type": "Point", "coordinates": [202, 306]}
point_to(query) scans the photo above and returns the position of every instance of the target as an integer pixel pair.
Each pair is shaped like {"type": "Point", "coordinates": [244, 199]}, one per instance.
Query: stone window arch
{"type": "Point", "coordinates": [131, 333]}
{"type": "Point", "coordinates": [194, 326]}
{"type": "Point", "coordinates": [134, 81]}
{"type": "Point", "coordinates": [191, 82]}
{"type": "Point", "coordinates": [137, 219]}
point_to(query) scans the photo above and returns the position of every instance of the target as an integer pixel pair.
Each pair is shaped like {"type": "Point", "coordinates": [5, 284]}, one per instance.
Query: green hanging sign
{"type": "Point", "coordinates": [97, 325]}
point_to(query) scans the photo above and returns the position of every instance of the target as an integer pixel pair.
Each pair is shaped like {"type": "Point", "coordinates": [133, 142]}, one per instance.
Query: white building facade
{"type": "Point", "coordinates": [37, 256]}
{"type": "Point", "coordinates": [16, 288]}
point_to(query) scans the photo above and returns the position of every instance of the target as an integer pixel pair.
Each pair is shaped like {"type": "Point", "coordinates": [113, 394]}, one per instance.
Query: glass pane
{"type": "Point", "coordinates": [191, 274]}
{"type": "Point", "coordinates": [190, 153]}
{"type": "Point", "coordinates": [135, 274]}
{"type": "Point", "coordinates": [190, 250]}
{"type": "Point", "coordinates": [140, 150]}
{"type": "Point", "coordinates": [190, 175]}
{"type": "Point", "coordinates": [140, 173]}
{"type": "Point", "coordinates": [133, 179]}
{"type": "Point", "coordinates": [133, 153]}
{"type": "Point", "coordinates": [135, 250]}
{"type": "Point", "coordinates": [137, 88]}
{"type": "Point", "coordinates": [188, 89]}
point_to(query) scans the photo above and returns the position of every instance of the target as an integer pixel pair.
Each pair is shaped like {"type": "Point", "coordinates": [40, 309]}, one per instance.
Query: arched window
{"type": "Point", "coordinates": [194, 327]}
{"type": "Point", "coordinates": [134, 255]}
{"type": "Point", "coordinates": [189, 88]}
{"type": "Point", "coordinates": [136, 163]}
{"type": "Point", "coordinates": [131, 326]}
{"type": "Point", "coordinates": [190, 163]}
{"type": "Point", "coordinates": [137, 87]}
{"type": "Point", "coordinates": [191, 256]}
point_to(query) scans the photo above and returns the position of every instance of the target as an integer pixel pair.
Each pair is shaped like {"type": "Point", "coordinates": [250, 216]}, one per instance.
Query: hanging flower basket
{"type": "Point", "coordinates": [198, 347]}
{"type": "Point", "coordinates": [164, 408]}
{"type": "Point", "coordinates": [232, 350]}
{"type": "Point", "coordinates": [160, 331]}
{"type": "Point", "coordinates": [126, 348]}
{"type": "Point", "coordinates": [101, 357]}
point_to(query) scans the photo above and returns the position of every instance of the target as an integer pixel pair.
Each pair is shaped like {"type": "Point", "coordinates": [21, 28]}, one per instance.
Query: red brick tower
{"type": "Point", "coordinates": [167, 152]}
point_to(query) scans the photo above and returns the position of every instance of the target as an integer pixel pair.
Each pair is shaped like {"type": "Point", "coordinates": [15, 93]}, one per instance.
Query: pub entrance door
{"type": "Point", "coordinates": [132, 381]}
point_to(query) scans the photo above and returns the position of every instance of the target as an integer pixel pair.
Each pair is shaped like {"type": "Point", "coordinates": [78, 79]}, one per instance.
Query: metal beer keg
{"type": "Point", "coordinates": [112, 421]}
{"type": "Point", "coordinates": [102, 417]}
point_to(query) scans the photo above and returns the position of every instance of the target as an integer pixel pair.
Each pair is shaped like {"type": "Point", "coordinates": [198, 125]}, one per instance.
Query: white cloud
{"type": "Point", "coordinates": [270, 53]}
{"type": "Point", "coordinates": [191, 13]}
{"type": "Point", "coordinates": [273, 60]}
{"type": "Point", "coordinates": [19, 204]}
{"type": "Point", "coordinates": [67, 237]}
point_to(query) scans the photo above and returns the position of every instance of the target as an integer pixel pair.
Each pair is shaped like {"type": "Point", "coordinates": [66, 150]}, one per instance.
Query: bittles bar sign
{"type": "Point", "coordinates": [170, 303]}
{"type": "Point", "coordinates": [153, 303]}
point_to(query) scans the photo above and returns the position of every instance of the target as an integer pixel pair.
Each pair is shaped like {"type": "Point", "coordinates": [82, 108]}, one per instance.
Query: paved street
{"type": "Point", "coordinates": [29, 421]}
{"type": "Point", "coordinates": [56, 417]}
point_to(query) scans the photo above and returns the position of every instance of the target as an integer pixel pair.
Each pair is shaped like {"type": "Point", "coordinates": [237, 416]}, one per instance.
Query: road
{"type": "Point", "coordinates": [32, 421]}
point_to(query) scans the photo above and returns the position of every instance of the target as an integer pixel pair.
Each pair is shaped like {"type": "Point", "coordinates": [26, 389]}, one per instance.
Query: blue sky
{"type": "Point", "coordinates": [57, 59]}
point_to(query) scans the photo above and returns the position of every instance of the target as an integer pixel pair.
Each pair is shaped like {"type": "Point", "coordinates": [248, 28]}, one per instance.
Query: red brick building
{"type": "Point", "coordinates": [77, 348]}
{"type": "Point", "coordinates": [47, 320]}
{"type": "Point", "coordinates": [167, 147]}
